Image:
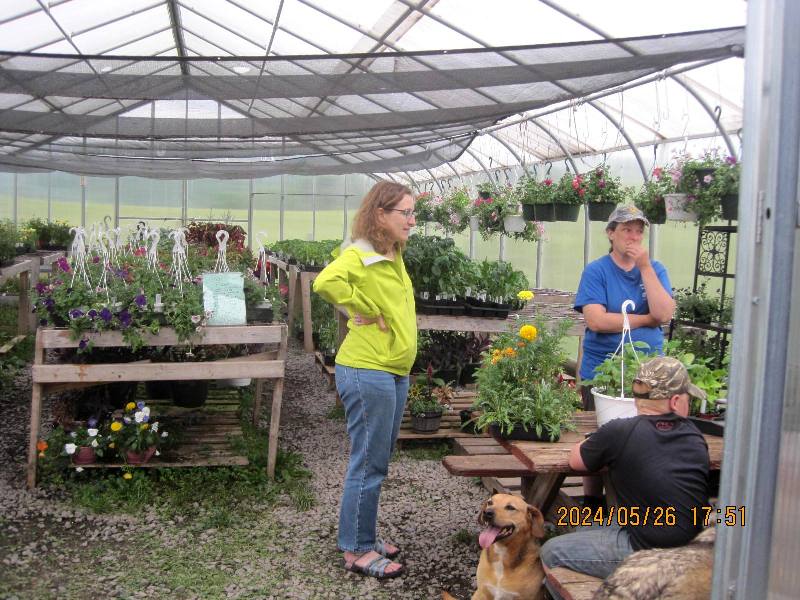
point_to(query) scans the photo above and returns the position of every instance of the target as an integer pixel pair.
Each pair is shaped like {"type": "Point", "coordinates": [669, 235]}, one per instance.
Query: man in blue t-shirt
{"type": "Point", "coordinates": [625, 273]}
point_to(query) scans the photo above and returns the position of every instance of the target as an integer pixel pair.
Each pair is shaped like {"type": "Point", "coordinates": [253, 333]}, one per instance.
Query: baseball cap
{"type": "Point", "coordinates": [666, 376]}
{"type": "Point", "coordinates": [625, 213]}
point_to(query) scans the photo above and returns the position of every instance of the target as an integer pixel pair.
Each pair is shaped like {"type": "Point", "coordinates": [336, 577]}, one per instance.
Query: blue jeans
{"type": "Point", "coordinates": [373, 404]}
{"type": "Point", "coordinates": [596, 551]}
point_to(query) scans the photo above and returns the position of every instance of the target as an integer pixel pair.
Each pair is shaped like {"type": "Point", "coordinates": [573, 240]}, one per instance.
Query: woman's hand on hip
{"type": "Point", "coordinates": [362, 320]}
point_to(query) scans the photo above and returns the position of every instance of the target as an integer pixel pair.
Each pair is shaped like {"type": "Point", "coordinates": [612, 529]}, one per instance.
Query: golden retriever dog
{"type": "Point", "coordinates": [682, 573]}
{"type": "Point", "coordinates": [509, 567]}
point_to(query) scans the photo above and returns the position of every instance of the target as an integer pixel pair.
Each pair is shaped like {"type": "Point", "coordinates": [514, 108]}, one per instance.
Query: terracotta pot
{"type": "Point", "coordinates": [84, 455]}
{"type": "Point", "coordinates": [138, 458]}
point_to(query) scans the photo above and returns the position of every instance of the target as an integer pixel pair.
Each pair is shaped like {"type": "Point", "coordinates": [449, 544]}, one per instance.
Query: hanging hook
{"type": "Point", "coordinates": [717, 113]}
{"type": "Point", "coordinates": [549, 166]}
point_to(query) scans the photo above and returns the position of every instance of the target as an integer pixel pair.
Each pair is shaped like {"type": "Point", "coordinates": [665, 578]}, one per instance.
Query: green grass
{"type": "Point", "coordinates": [336, 413]}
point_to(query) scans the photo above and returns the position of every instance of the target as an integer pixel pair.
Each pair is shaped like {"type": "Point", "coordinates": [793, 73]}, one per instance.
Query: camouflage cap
{"type": "Point", "coordinates": [666, 376]}
{"type": "Point", "coordinates": [625, 213]}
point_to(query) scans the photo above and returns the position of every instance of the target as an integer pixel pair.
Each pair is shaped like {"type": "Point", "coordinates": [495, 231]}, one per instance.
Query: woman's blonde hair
{"type": "Point", "coordinates": [366, 224]}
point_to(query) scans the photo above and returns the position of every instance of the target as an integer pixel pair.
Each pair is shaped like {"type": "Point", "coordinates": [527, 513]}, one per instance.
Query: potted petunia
{"type": "Point", "coordinates": [537, 198]}
{"type": "Point", "coordinates": [137, 435]}
{"type": "Point", "coordinates": [452, 213]}
{"type": "Point", "coordinates": [603, 192]}
{"type": "Point", "coordinates": [423, 207]}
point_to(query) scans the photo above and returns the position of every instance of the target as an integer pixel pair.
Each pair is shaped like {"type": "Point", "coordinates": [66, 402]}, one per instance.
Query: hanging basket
{"type": "Point", "coordinates": [611, 407]}
{"type": "Point", "coordinates": [545, 212]}
{"type": "Point", "coordinates": [514, 224]}
{"type": "Point", "coordinates": [566, 212]}
{"type": "Point", "coordinates": [529, 212]}
{"type": "Point", "coordinates": [600, 211]}
{"type": "Point", "coordinates": [675, 205]}
{"type": "Point", "coordinates": [730, 207]}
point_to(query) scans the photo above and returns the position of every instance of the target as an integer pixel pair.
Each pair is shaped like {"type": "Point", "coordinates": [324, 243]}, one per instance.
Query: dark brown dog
{"type": "Point", "coordinates": [509, 567]}
{"type": "Point", "coordinates": [682, 573]}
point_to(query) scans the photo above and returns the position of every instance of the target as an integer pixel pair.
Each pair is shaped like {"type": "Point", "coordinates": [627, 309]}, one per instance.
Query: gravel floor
{"type": "Point", "coordinates": [285, 554]}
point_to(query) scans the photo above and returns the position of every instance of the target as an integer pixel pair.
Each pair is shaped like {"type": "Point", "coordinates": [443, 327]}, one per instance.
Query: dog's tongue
{"type": "Point", "coordinates": [487, 536]}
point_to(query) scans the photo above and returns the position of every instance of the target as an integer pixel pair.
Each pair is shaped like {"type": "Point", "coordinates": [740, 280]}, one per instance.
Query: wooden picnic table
{"type": "Point", "coordinates": [548, 462]}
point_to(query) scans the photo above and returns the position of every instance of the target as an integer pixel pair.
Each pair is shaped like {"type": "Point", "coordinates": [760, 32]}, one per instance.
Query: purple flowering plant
{"type": "Point", "coordinates": [705, 180]}
{"type": "Point", "coordinates": [137, 429]}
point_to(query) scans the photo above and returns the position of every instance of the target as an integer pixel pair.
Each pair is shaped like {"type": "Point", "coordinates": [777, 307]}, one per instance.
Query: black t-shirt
{"type": "Point", "coordinates": [655, 461]}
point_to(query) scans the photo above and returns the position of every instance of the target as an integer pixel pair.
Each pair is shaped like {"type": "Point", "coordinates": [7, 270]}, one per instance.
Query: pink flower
{"type": "Point", "coordinates": [581, 192]}
{"type": "Point", "coordinates": [707, 179]}
{"type": "Point", "coordinates": [548, 182]}
{"type": "Point", "coordinates": [731, 160]}
{"type": "Point", "coordinates": [601, 184]}
{"type": "Point", "coordinates": [576, 182]}
{"type": "Point", "coordinates": [657, 172]}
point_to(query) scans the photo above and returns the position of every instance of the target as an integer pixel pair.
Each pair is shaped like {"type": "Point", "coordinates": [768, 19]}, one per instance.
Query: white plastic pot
{"type": "Point", "coordinates": [514, 223]}
{"type": "Point", "coordinates": [612, 407]}
{"type": "Point", "coordinates": [675, 205]}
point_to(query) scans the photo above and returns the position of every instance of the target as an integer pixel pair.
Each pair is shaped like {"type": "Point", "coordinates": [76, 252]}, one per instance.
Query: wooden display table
{"type": "Point", "coordinates": [51, 378]}
{"type": "Point", "coordinates": [27, 268]}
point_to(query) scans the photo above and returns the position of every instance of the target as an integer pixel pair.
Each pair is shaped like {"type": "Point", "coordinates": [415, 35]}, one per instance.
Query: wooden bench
{"type": "Point", "coordinates": [572, 585]}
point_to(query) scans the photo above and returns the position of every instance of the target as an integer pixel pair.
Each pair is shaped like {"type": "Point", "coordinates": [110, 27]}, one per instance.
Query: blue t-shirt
{"type": "Point", "coordinates": [604, 283]}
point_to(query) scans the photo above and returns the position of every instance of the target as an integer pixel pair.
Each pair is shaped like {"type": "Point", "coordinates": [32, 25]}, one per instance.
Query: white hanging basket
{"type": "Point", "coordinates": [676, 208]}
{"type": "Point", "coordinates": [473, 223]}
{"type": "Point", "coordinates": [514, 223]}
{"type": "Point", "coordinates": [612, 407]}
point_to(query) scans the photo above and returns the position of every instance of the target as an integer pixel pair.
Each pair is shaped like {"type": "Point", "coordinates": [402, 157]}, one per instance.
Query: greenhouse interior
{"type": "Point", "coordinates": [199, 182]}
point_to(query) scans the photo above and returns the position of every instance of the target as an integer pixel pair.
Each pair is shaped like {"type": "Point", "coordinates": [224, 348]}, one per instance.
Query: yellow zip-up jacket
{"type": "Point", "coordinates": [369, 284]}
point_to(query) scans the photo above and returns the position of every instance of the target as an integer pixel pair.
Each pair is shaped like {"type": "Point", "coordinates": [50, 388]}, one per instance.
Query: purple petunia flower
{"type": "Point", "coordinates": [601, 184]}
{"type": "Point", "coordinates": [106, 315]}
{"type": "Point", "coordinates": [95, 259]}
{"type": "Point", "coordinates": [140, 300]}
{"type": "Point", "coordinates": [124, 318]}
{"type": "Point", "coordinates": [49, 302]}
{"type": "Point", "coordinates": [82, 345]}
{"type": "Point", "coordinates": [92, 314]}
{"type": "Point", "coordinates": [63, 264]}
{"type": "Point", "coordinates": [41, 287]}
{"type": "Point", "coordinates": [76, 313]}
{"type": "Point", "coordinates": [731, 160]}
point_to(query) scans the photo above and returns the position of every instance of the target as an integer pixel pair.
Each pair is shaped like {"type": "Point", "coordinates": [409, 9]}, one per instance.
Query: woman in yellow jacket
{"type": "Point", "coordinates": [369, 280]}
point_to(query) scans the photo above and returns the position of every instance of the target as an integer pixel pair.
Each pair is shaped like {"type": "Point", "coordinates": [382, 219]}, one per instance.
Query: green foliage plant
{"type": "Point", "coordinates": [532, 191]}
{"type": "Point", "coordinates": [8, 240]}
{"type": "Point", "coordinates": [436, 266]}
{"type": "Point", "coordinates": [701, 306]}
{"type": "Point", "coordinates": [608, 374]}
{"type": "Point", "coordinates": [650, 197]}
{"type": "Point", "coordinates": [499, 281]}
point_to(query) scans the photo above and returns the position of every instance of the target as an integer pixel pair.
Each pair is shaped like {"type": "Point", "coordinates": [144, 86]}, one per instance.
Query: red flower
{"type": "Point", "coordinates": [581, 192]}
{"type": "Point", "coordinates": [548, 182]}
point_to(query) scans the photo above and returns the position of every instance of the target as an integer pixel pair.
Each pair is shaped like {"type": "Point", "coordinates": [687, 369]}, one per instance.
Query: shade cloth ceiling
{"type": "Point", "coordinates": [241, 117]}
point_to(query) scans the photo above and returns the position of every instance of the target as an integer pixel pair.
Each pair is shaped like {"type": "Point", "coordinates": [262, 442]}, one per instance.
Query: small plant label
{"type": "Point", "coordinates": [223, 295]}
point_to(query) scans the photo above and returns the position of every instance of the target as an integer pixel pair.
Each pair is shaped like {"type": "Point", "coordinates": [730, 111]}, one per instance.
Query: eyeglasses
{"type": "Point", "coordinates": [407, 213]}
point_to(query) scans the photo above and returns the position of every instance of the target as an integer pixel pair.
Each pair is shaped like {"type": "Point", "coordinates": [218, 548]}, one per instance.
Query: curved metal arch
{"type": "Point", "coordinates": [580, 20]}
{"type": "Point", "coordinates": [513, 153]}
{"type": "Point", "coordinates": [510, 57]}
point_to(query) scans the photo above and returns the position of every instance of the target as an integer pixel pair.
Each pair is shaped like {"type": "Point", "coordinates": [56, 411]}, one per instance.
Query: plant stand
{"type": "Point", "coordinates": [27, 269]}
{"type": "Point", "coordinates": [51, 378]}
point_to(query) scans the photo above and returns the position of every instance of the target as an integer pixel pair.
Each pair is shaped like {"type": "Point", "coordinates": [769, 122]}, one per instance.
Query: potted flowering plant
{"type": "Point", "coordinates": [650, 198]}
{"type": "Point", "coordinates": [537, 199]}
{"type": "Point", "coordinates": [85, 444]}
{"type": "Point", "coordinates": [498, 211]}
{"type": "Point", "coordinates": [520, 391]}
{"type": "Point", "coordinates": [426, 401]}
{"type": "Point", "coordinates": [452, 212]}
{"type": "Point", "coordinates": [423, 207]}
{"type": "Point", "coordinates": [136, 436]}
{"type": "Point", "coordinates": [603, 192]}
{"type": "Point", "coordinates": [569, 196]}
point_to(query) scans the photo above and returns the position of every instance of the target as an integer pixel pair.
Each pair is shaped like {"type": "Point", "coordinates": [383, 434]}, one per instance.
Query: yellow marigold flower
{"type": "Point", "coordinates": [127, 476]}
{"type": "Point", "coordinates": [510, 352]}
{"type": "Point", "coordinates": [525, 295]}
{"type": "Point", "coordinates": [528, 332]}
{"type": "Point", "coordinates": [495, 360]}
{"type": "Point", "coordinates": [116, 426]}
{"type": "Point", "coordinates": [130, 406]}
{"type": "Point", "coordinates": [145, 425]}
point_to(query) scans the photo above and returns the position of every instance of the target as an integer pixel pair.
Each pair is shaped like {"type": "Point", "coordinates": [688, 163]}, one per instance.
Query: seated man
{"type": "Point", "coordinates": [658, 464]}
